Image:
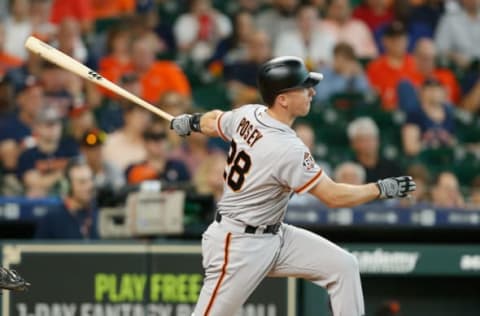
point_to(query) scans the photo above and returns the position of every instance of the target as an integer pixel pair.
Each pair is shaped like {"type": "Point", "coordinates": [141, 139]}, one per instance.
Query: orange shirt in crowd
{"type": "Point", "coordinates": [80, 10]}
{"type": "Point", "coordinates": [163, 76]}
{"type": "Point", "coordinates": [8, 61]}
{"type": "Point", "coordinates": [111, 8]}
{"type": "Point", "coordinates": [385, 78]}
{"type": "Point", "coordinates": [446, 78]}
{"type": "Point", "coordinates": [112, 68]}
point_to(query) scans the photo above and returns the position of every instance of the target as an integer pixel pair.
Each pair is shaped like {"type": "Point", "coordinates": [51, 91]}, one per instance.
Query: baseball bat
{"type": "Point", "coordinates": [68, 63]}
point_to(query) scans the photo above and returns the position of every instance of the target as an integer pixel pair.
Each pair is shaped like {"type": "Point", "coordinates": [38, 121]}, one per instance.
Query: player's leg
{"type": "Point", "coordinates": [234, 266]}
{"type": "Point", "coordinates": [307, 255]}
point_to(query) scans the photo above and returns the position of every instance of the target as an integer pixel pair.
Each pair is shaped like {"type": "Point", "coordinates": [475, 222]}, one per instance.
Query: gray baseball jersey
{"type": "Point", "coordinates": [266, 163]}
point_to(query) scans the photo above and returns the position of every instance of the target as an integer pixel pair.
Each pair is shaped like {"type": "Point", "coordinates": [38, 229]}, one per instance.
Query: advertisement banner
{"type": "Point", "coordinates": [419, 260]}
{"type": "Point", "coordinates": [123, 280]}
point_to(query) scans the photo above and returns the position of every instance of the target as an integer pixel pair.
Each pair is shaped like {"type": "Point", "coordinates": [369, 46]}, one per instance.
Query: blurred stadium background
{"type": "Point", "coordinates": [97, 196]}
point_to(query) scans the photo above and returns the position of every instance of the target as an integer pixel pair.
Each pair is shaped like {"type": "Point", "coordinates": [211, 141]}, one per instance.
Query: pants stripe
{"type": "Point", "coordinates": [222, 275]}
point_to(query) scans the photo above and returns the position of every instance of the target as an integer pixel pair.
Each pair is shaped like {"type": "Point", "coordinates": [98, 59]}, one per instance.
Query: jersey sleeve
{"type": "Point", "coordinates": [225, 125]}
{"type": "Point", "coordinates": [298, 170]}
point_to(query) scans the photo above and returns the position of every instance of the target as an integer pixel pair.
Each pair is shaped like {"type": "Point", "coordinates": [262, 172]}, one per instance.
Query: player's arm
{"type": "Point", "coordinates": [336, 195]}
{"type": "Point", "coordinates": [205, 123]}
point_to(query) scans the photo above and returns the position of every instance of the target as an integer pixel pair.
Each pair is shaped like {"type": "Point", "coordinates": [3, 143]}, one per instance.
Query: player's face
{"type": "Point", "coordinates": [299, 101]}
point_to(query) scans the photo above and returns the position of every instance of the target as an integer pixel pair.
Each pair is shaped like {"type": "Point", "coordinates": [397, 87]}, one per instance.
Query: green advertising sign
{"type": "Point", "coordinates": [421, 260]}
{"type": "Point", "coordinates": [123, 280]}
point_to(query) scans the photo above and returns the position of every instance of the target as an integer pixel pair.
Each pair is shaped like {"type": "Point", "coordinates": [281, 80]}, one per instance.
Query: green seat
{"type": "Point", "coordinates": [103, 25]}
{"type": "Point", "coordinates": [211, 96]}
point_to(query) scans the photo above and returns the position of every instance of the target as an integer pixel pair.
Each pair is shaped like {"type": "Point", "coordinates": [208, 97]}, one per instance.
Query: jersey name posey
{"type": "Point", "coordinates": [248, 132]}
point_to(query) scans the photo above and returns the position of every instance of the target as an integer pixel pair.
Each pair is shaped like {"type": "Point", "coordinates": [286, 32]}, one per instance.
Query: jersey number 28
{"type": "Point", "coordinates": [239, 164]}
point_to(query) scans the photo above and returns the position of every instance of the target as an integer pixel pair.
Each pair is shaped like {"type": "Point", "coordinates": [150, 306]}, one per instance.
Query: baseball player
{"type": "Point", "coordinates": [266, 164]}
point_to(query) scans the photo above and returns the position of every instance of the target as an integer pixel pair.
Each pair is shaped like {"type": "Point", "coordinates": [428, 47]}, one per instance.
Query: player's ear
{"type": "Point", "coordinates": [282, 100]}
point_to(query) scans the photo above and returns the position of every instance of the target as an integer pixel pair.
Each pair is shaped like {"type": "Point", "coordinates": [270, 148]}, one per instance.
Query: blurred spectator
{"type": "Point", "coordinates": [41, 167]}
{"type": "Point", "coordinates": [69, 39]}
{"type": "Point", "coordinates": [474, 200]}
{"type": "Point", "coordinates": [364, 139]}
{"type": "Point", "coordinates": [234, 48]}
{"type": "Point", "coordinates": [425, 68]}
{"type": "Point", "coordinates": [241, 75]}
{"type": "Point", "coordinates": [147, 24]}
{"type": "Point", "coordinates": [109, 115]}
{"type": "Point", "coordinates": [156, 77]}
{"type": "Point", "coordinates": [209, 176]}
{"type": "Point", "coordinates": [344, 76]}
{"type": "Point", "coordinates": [425, 64]}
{"type": "Point", "coordinates": [446, 191]}
{"type": "Point", "coordinates": [471, 100]}
{"type": "Point", "coordinates": [432, 125]}
{"type": "Point", "coordinates": [350, 173]}
{"type": "Point", "coordinates": [117, 59]}
{"type": "Point", "coordinates": [424, 18]}
{"type": "Point", "coordinates": [80, 11]}
{"type": "Point", "coordinates": [278, 19]}
{"type": "Point", "coordinates": [102, 9]}
{"type": "Point", "coordinates": [107, 177]}
{"type": "Point", "coordinates": [306, 133]}
{"type": "Point", "coordinates": [76, 217]}
{"type": "Point", "coordinates": [9, 183]}
{"type": "Point", "coordinates": [30, 67]}
{"type": "Point", "coordinates": [375, 13]}
{"type": "Point", "coordinates": [80, 120]}
{"type": "Point", "coordinates": [157, 166]}
{"type": "Point", "coordinates": [42, 27]}
{"type": "Point", "coordinates": [421, 176]}
{"type": "Point", "coordinates": [175, 104]}
{"type": "Point", "coordinates": [56, 85]}
{"type": "Point", "coordinates": [340, 24]}
{"type": "Point", "coordinates": [126, 145]}
{"type": "Point", "coordinates": [16, 128]}
{"type": "Point", "coordinates": [7, 61]}
{"type": "Point", "coordinates": [194, 151]}
{"type": "Point", "coordinates": [458, 34]}
{"type": "Point", "coordinates": [388, 70]}
{"type": "Point", "coordinates": [198, 32]}
{"type": "Point", "coordinates": [17, 28]}
{"type": "Point", "coordinates": [306, 40]}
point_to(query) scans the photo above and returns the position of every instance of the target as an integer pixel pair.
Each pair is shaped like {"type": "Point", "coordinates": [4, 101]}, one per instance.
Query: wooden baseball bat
{"type": "Point", "coordinates": [68, 63]}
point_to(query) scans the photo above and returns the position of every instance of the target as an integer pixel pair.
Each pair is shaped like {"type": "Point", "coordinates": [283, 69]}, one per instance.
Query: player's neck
{"type": "Point", "coordinates": [285, 118]}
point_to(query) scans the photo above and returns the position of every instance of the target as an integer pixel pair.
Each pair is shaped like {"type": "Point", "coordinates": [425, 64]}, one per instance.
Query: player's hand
{"type": "Point", "coordinates": [181, 124]}
{"type": "Point", "coordinates": [184, 124]}
{"type": "Point", "coordinates": [396, 187]}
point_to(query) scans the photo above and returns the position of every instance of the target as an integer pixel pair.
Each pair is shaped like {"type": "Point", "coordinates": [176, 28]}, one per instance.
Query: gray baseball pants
{"type": "Point", "coordinates": [236, 262]}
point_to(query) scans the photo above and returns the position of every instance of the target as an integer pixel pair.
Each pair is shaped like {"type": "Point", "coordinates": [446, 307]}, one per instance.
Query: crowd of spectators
{"type": "Point", "coordinates": [415, 61]}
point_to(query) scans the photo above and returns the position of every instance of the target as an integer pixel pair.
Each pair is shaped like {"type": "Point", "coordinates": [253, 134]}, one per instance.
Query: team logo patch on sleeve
{"type": "Point", "coordinates": [308, 161]}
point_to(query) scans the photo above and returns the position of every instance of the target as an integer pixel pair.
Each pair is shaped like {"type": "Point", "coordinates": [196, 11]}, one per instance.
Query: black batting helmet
{"type": "Point", "coordinates": [283, 74]}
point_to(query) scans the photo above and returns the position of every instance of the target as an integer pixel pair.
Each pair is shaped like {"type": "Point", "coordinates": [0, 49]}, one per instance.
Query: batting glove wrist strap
{"type": "Point", "coordinates": [195, 122]}
{"type": "Point", "coordinates": [396, 187]}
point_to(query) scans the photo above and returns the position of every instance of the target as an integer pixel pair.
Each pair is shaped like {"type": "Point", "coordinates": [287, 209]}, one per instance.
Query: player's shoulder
{"type": "Point", "coordinates": [247, 110]}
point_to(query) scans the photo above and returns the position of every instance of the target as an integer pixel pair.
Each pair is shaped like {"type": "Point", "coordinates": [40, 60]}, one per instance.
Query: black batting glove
{"type": "Point", "coordinates": [396, 187]}
{"type": "Point", "coordinates": [184, 124]}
